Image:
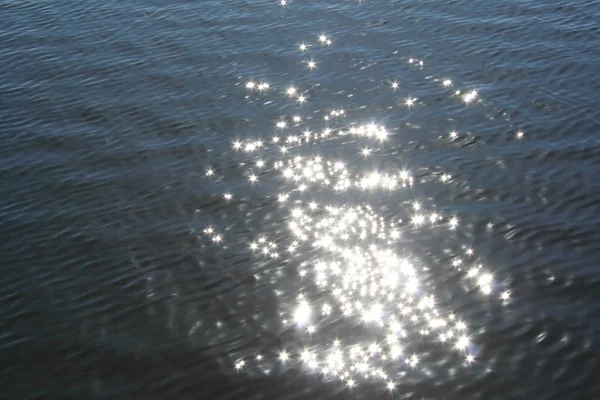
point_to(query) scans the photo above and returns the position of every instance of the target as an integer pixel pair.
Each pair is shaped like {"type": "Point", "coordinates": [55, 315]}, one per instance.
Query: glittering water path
{"type": "Point", "coordinates": [360, 301]}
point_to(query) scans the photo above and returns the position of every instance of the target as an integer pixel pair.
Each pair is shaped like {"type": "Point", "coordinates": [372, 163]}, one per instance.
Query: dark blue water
{"type": "Point", "coordinates": [111, 115]}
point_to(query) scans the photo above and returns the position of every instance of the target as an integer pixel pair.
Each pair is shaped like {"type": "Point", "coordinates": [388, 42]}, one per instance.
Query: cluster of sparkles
{"type": "Point", "coordinates": [317, 171]}
{"type": "Point", "coordinates": [358, 267]}
{"type": "Point", "coordinates": [365, 281]}
{"type": "Point", "coordinates": [358, 275]}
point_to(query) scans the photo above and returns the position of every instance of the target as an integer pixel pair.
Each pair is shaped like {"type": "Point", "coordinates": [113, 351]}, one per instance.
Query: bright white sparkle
{"type": "Point", "coordinates": [284, 356]}
{"type": "Point", "coordinates": [410, 102]}
{"type": "Point", "coordinates": [453, 222]}
{"type": "Point", "coordinates": [291, 91]}
{"type": "Point", "coordinates": [302, 313]}
{"type": "Point", "coordinates": [462, 343]}
{"type": "Point", "coordinates": [469, 97]}
{"type": "Point", "coordinates": [263, 86]}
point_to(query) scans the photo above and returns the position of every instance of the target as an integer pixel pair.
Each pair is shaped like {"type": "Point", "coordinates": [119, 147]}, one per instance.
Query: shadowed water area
{"type": "Point", "coordinates": [191, 209]}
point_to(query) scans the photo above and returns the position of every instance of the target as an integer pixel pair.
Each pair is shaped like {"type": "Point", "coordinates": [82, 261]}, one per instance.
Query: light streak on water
{"type": "Point", "coordinates": [352, 263]}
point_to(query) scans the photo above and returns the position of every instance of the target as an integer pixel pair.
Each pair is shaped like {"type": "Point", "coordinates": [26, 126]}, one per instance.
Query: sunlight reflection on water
{"type": "Point", "coordinates": [362, 303]}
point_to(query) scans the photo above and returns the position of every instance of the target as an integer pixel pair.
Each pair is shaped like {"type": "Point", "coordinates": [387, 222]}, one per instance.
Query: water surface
{"type": "Point", "coordinates": [111, 115]}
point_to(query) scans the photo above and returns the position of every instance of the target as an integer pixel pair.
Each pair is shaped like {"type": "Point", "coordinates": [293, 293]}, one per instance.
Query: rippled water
{"type": "Point", "coordinates": [136, 255]}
